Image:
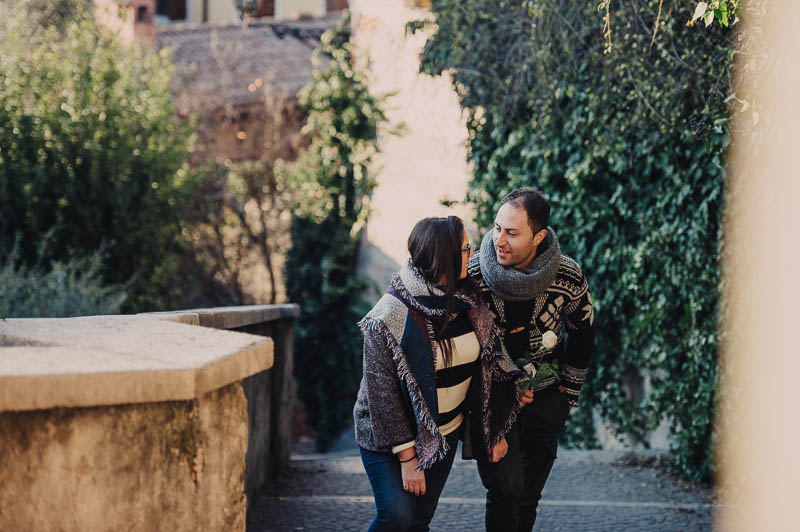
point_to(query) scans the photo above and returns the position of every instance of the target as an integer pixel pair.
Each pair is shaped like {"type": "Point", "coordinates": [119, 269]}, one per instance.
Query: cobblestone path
{"type": "Point", "coordinates": [587, 491]}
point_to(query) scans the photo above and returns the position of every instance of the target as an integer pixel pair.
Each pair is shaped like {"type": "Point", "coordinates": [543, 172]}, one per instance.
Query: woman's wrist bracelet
{"type": "Point", "coordinates": [406, 461]}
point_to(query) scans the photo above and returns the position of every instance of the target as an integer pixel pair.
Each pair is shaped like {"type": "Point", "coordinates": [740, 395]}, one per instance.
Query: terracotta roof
{"type": "Point", "coordinates": [236, 64]}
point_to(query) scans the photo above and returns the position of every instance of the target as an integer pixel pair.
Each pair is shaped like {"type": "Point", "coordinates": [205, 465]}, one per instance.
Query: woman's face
{"type": "Point", "coordinates": [466, 253]}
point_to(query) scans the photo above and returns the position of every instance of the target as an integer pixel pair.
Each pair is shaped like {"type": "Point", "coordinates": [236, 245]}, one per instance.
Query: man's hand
{"type": "Point", "coordinates": [413, 480]}
{"type": "Point", "coordinates": [497, 452]}
{"type": "Point", "coordinates": [526, 398]}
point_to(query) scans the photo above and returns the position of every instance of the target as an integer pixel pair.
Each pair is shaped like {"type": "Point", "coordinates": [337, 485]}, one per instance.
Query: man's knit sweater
{"type": "Point", "coordinates": [561, 304]}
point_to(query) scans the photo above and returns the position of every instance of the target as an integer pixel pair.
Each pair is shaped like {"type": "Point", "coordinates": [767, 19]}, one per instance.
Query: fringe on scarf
{"type": "Point", "coordinates": [409, 299]}
{"type": "Point", "coordinates": [423, 414]}
{"type": "Point", "coordinates": [492, 372]}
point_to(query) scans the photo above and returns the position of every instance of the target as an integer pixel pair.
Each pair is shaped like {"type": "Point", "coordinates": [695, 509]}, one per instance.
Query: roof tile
{"type": "Point", "coordinates": [219, 65]}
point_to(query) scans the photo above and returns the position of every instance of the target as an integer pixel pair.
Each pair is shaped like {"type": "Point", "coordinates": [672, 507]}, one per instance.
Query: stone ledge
{"type": "Point", "coordinates": [109, 360]}
{"type": "Point", "coordinates": [230, 317]}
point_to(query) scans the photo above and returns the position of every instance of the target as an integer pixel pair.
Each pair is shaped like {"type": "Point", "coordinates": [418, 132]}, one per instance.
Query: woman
{"type": "Point", "coordinates": [433, 372]}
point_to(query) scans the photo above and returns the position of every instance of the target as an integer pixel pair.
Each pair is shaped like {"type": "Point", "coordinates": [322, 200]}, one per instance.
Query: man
{"type": "Point", "coordinates": [531, 288]}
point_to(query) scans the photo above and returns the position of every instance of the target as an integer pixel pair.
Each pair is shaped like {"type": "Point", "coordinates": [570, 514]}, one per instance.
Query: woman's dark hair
{"type": "Point", "coordinates": [435, 248]}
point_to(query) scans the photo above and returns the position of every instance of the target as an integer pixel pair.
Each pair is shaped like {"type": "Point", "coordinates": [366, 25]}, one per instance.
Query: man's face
{"type": "Point", "coordinates": [514, 241]}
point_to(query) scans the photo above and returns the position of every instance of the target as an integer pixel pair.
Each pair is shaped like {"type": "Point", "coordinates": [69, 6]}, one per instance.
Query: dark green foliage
{"type": "Point", "coordinates": [628, 146]}
{"type": "Point", "coordinates": [332, 184]}
{"type": "Point", "coordinates": [328, 343]}
{"type": "Point", "coordinates": [91, 150]}
{"type": "Point", "coordinates": [72, 289]}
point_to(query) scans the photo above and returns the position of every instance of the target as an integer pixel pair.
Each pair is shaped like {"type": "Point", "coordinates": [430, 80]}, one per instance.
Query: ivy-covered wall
{"type": "Point", "coordinates": [628, 143]}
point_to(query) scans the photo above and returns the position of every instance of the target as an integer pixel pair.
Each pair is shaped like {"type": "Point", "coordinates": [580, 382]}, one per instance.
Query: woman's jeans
{"type": "Point", "coordinates": [399, 510]}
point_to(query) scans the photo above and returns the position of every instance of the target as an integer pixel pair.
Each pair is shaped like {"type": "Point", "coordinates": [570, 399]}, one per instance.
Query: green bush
{"type": "Point", "coordinates": [71, 289]}
{"type": "Point", "coordinates": [91, 149]}
{"type": "Point", "coordinates": [628, 145]}
{"type": "Point", "coordinates": [332, 185]}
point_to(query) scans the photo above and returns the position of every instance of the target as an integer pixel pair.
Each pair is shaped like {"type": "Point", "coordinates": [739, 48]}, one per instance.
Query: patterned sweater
{"type": "Point", "coordinates": [566, 305]}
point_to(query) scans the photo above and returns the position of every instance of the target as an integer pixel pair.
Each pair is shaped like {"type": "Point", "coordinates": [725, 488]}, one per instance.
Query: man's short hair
{"type": "Point", "coordinates": [536, 206]}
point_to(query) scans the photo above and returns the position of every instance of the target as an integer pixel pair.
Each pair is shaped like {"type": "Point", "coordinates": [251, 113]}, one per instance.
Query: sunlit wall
{"type": "Point", "coordinates": [760, 468]}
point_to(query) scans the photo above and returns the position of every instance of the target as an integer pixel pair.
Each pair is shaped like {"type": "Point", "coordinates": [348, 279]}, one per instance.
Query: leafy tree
{"type": "Point", "coordinates": [92, 151]}
{"type": "Point", "coordinates": [332, 187]}
{"type": "Point", "coordinates": [628, 143]}
{"type": "Point", "coordinates": [725, 12]}
{"type": "Point", "coordinates": [240, 216]}
{"type": "Point", "coordinates": [42, 14]}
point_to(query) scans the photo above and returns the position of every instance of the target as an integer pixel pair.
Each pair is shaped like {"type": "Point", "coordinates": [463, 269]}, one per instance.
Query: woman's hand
{"type": "Point", "coordinates": [413, 480]}
{"type": "Point", "coordinates": [498, 451]}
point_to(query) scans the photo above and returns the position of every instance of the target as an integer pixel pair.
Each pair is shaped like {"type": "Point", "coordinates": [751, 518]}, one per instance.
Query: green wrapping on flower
{"type": "Point", "coordinates": [544, 371]}
{"type": "Point", "coordinates": [535, 367]}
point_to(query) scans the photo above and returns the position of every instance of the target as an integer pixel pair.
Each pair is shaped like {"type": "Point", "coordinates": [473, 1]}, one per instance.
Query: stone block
{"type": "Point", "coordinates": [175, 465]}
{"type": "Point", "coordinates": [134, 422]}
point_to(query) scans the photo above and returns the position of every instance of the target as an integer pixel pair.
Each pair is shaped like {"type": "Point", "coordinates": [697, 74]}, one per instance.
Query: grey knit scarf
{"type": "Point", "coordinates": [518, 285]}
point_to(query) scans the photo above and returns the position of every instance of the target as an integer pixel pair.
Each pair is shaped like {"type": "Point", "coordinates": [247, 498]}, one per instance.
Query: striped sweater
{"type": "Point", "coordinates": [453, 380]}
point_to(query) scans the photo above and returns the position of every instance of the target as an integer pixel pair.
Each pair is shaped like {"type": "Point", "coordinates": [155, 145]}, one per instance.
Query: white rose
{"type": "Point", "coordinates": [549, 339]}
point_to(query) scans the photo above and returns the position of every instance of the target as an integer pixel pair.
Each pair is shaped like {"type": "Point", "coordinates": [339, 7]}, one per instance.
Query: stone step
{"type": "Point", "coordinates": [587, 491]}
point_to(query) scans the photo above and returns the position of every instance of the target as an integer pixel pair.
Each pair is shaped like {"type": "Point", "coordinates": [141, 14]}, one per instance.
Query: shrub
{"type": "Point", "coordinates": [91, 150]}
{"type": "Point", "coordinates": [70, 289]}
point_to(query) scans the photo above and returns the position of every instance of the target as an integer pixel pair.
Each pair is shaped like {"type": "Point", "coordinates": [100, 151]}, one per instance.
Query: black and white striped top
{"type": "Point", "coordinates": [452, 382]}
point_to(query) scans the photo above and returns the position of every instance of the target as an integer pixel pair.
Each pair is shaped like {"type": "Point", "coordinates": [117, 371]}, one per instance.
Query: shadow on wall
{"type": "Point", "coordinates": [376, 268]}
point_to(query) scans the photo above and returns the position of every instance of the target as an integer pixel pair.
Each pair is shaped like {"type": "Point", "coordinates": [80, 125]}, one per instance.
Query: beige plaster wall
{"type": "Point", "coordinates": [759, 478]}
{"type": "Point", "coordinates": [176, 466]}
{"type": "Point", "coordinates": [414, 172]}
{"type": "Point", "coordinates": [194, 11]}
{"type": "Point", "coordinates": [120, 20]}
{"type": "Point", "coordinates": [294, 8]}
{"type": "Point", "coordinates": [221, 11]}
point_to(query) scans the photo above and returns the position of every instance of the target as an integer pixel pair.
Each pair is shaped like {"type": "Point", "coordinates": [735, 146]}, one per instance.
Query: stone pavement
{"type": "Point", "coordinates": [587, 491]}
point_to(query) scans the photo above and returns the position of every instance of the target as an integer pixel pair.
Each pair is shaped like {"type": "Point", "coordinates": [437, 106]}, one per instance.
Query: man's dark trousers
{"type": "Point", "coordinates": [515, 483]}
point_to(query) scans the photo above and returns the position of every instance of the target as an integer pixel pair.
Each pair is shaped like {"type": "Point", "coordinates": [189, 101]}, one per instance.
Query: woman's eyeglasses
{"type": "Point", "coordinates": [468, 248]}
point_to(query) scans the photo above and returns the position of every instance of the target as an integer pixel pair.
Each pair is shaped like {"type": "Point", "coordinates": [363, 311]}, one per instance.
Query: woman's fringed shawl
{"type": "Point", "coordinates": [401, 317]}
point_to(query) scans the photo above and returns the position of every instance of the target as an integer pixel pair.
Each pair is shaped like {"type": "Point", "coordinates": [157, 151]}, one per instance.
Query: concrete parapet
{"type": "Point", "coordinates": [108, 360]}
{"type": "Point", "coordinates": [231, 317]}
{"type": "Point", "coordinates": [172, 466]}
{"type": "Point", "coordinates": [269, 393]}
{"type": "Point", "coordinates": [144, 422]}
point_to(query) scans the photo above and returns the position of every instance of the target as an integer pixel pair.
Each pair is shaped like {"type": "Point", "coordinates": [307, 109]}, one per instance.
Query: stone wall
{"type": "Point", "coordinates": [166, 421]}
{"type": "Point", "coordinates": [174, 466]}
{"type": "Point", "coordinates": [269, 393]}
{"type": "Point", "coordinates": [269, 407]}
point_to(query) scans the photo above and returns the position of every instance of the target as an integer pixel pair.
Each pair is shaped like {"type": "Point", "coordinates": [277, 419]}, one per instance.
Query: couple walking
{"type": "Point", "coordinates": [439, 351]}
